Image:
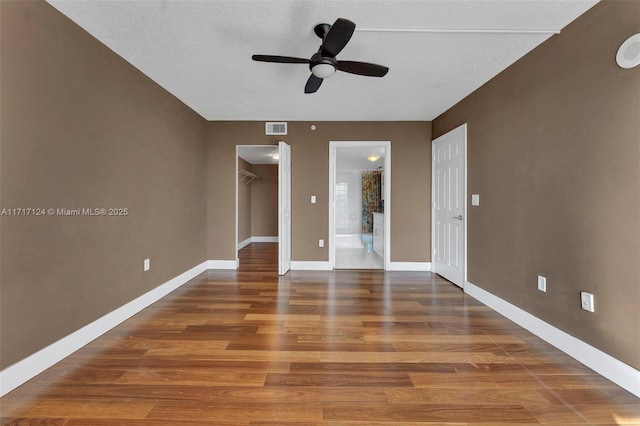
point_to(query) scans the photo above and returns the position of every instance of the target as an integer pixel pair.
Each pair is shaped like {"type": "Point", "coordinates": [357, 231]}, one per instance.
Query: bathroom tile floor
{"type": "Point", "coordinates": [351, 254]}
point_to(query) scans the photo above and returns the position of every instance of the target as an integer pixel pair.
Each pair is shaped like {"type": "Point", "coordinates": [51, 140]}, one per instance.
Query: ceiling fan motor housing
{"type": "Point", "coordinates": [322, 66]}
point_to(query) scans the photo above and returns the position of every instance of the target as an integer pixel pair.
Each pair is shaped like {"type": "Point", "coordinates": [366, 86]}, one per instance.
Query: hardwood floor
{"type": "Point", "coordinates": [351, 347]}
{"type": "Point", "coordinates": [259, 257]}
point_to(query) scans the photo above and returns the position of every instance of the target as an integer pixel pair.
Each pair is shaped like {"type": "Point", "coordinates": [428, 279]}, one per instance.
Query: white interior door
{"type": "Point", "coordinates": [448, 205]}
{"type": "Point", "coordinates": [284, 209]}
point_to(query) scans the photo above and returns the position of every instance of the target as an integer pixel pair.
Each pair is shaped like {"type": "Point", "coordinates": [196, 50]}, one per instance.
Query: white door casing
{"type": "Point", "coordinates": [284, 208]}
{"type": "Point", "coordinates": [448, 201]}
{"type": "Point", "coordinates": [386, 183]}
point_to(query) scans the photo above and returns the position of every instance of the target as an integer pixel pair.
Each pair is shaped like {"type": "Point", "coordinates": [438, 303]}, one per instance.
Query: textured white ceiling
{"type": "Point", "coordinates": [354, 158]}
{"type": "Point", "coordinates": [258, 154]}
{"type": "Point", "coordinates": [200, 51]}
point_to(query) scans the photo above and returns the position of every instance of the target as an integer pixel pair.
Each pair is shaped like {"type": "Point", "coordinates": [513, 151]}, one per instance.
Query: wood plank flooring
{"type": "Point", "coordinates": [350, 347]}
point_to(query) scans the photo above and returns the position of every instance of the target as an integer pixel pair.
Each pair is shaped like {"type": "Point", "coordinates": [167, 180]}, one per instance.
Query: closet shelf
{"type": "Point", "coordinates": [246, 177]}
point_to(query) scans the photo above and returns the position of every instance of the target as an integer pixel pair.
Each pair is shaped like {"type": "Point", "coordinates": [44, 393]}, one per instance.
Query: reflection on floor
{"type": "Point", "coordinates": [351, 254]}
{"type": "Point", "coordinates": [259, 257]}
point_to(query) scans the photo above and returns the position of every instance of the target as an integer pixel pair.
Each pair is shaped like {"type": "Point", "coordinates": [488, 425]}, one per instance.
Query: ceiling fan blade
{"type": "Point", "coordinates": [363, 68]}
{"type": "Point", "coordinates": [337, 38]}
{"type": "Point", "coordinates": [279, 59]}
{"type": "Point", "coordinates": [313, 84]}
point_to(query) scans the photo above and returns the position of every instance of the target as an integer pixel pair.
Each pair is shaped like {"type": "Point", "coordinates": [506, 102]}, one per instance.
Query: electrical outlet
{"type": "Point", "coordinates": [320, 243]}
{"type": "Point", "coordinates": [147, 264]}
{"type": "Point", "coordinates": [542, 283]}
{"type": "Point", "coordinates": [313, 199]}
{"type": "Point", "coordinates": [587, 302]}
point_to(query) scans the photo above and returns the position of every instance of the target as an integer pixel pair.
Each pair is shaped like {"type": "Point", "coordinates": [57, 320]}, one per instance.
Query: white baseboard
{"type": "Point", "coordinates": [223, 264]}
{"type": "Point", "coordinates": [24, 370]}
{"type": "Point", "coordinates": [409, 266]}
{"type": "Point", "coordinates": [244, 243]}
{"type": "Point", "coordinates": [264, 239]}
{"type": "Point", "coordinates": [618, 372]}
{"type": "Point", "coordinates": [250, 240]}
{"type": "Point", "coordinates": [303, 265]}
{"type": "Point", "coordinates": [393, 266]}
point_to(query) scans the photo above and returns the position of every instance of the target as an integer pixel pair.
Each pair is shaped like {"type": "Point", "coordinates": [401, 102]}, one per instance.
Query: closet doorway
{"type": "Point", "coordinates": [359, 204]}
{"type": "Point", "coordinates": [263, 194]}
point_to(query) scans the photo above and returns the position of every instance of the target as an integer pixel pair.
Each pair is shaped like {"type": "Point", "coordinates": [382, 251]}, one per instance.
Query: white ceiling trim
{"type": "Point", "coordinates": [459, 30]}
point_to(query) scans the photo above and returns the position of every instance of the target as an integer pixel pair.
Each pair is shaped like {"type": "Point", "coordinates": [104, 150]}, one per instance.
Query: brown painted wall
{"type": "Point", "coordinates": [244, 203]}
{"type": "Point", "coordinates": [554, 152]}
{"type": "Point", "coordinates": [264, 201]}
{"type": "Point", "coordinates": [81, 128]}
{"type": "Point", "coordinates": [411, 187]}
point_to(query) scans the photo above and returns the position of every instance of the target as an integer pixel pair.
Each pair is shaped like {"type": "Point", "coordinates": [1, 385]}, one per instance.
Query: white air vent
{"type": "Point", "coordinates": [273, 128]}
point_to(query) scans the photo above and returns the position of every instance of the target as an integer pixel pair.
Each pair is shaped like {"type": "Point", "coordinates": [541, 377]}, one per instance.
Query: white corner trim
{"type": "Point", "coordinates": [393, 266]}
{"type": "Point", "coordinates": [264, 239]}
{"type": "Point", "coordinates": [305, 265]}
{"type": "Point", "coordinates": [24, 370]}
{"type": "Point", "coordinates": [244, 243]}
{"type": "Point", "coordinates": [409, 266]}
{"type": "Point", "coordinates": [223, 264]}
{"type": "Point", "coordinates": [250, 240]}
{"type": "Point", "coordinates": [618, 372]}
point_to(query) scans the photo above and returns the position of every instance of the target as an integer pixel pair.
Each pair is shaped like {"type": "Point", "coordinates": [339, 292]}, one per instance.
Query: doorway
{"type": "Point", "coordinates": [263, 199]}
{"type": "Point", "coordinates": [449, 207]}
{"type": "Point", "coordinates": [359, 204]}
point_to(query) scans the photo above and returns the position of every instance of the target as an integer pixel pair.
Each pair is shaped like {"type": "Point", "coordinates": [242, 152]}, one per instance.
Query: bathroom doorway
{"type": "Point", "coordinates": [359, 200]}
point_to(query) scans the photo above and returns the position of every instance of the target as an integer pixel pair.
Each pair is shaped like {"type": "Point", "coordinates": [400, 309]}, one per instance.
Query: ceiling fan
{"type": "Point", "coordinates": [323, 63]}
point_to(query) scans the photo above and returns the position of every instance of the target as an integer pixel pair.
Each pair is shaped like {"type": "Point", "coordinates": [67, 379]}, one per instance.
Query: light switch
{"type": "Point", "coordinates": [475, 199]}
{"type": "Point", "coordinates": [586, 300]}
{"type": "Point", "coordinates": [542, 283]}
{"type": "Point", "coordinates": [313, 199]}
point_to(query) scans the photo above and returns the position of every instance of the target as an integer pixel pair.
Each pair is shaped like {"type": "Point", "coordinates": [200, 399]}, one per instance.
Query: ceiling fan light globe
{"type": "Point", "coordinates": [323, 70]}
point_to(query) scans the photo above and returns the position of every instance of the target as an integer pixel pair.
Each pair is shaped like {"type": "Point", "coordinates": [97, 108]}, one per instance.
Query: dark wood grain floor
{"type": "Point", "coordinates": [351, 347]}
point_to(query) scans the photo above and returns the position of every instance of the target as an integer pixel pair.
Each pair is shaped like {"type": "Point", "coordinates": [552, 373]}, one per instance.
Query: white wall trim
{"type": "Point", "coordinates": [333, 146]}
{"type": "Point", "coordinates": [394, 266]}
{"type": "Point", "coordinates": [409, 266]}
{"type": "Point", "coordinates": [244, 243]}
{"type": "Point", "coordinates": [24, 370]}
{"type": "Point", "coordinates": [237, 191]}
{"type": "Point", "coordinates": [307, 265]}
{"type": "Point", "coordinates": [250, 240]}
{"type": "Point", "coordinates": [223, 264]}
{"type": "Point", "coordinates": [264, 239]}
{"type": "Point", "coordinates": [618, 372]}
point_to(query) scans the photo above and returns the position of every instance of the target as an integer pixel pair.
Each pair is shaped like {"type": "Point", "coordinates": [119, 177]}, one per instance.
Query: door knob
{"type": "Point", "coordinates": [457, 217]}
